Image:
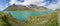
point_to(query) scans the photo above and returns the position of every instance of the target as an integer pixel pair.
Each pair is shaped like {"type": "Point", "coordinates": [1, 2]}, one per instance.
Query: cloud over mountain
{"type": "Point", "coordinates": [50, 3]}
{"type": "Point", "coordinates": [26, 2]}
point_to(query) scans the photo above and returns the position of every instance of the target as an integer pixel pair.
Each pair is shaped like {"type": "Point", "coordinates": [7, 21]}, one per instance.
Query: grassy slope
{"type": "Point", "coordinates": [45, 20]}
{"type": "Point", "coordinates": [8, 20]}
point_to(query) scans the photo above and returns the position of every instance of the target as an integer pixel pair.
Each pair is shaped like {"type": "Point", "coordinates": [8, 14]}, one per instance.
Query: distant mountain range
{"type": "Point", "coordinates": [22, 7]}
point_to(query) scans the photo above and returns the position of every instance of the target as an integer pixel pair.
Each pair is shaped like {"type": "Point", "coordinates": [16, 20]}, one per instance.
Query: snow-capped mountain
{"type": "Point", "coordinates": [22, 7]}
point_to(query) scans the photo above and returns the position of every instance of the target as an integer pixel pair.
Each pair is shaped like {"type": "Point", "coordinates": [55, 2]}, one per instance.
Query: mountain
{"type": "Point", "coordinates": [15, 7]}
{"type": "Point", "coordinates": [22, 7]}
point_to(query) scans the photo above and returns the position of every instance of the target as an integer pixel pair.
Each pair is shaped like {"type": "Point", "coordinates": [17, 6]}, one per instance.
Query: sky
{"type": "Point", "coordinates": [51, 4]}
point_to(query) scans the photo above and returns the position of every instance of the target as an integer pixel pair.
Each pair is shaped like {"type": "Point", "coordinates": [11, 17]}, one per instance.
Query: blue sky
{"type": "Point", "coordinates": [3, 4]}
{"type": "Point", "coordinates": [52, 4]}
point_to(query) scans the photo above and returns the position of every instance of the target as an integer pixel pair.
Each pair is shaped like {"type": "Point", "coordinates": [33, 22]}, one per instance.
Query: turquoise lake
{"type": "Point", "coordinates": [24, 15]}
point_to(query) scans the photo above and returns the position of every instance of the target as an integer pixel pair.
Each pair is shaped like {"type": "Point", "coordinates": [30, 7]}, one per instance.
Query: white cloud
{"type": "Point", "coordinates": [12, 1]}
{"type": "Point", "coordinates": [0, 7]}
{"type": "Point", "coordinates": [3, 7]}
{"type": "Point", "coordinates": [58, 5]}
{"type": "Point", "coordinates": [36, 2]}
{"type": "Point", "coordinates": [26, 2]}
{"type": "Point", "coordinates": [54, 6]}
